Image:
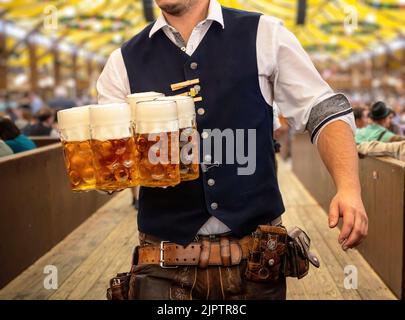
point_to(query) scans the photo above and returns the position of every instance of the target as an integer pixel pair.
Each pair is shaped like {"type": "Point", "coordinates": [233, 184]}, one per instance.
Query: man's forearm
{"type": "Point", "coordinates": [338, 151]}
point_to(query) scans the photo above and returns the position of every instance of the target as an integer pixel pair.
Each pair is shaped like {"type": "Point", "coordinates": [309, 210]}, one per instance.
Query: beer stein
{"type": "Point", "coordinates": [189, 147]}
{"type": "Point", "coordinates": [113, 146]}
{"type": "Point", "coordinates": [157, 141]}
{"type": "Point", "coordinates": [74, 129]}
{"type": "Point", "coordinates": [133, 98]}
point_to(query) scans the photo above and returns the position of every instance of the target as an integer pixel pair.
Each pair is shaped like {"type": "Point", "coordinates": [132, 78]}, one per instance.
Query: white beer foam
{"type": "Point", "coordinates": [134, 98]}
{"type": "Point", "coordinates": [75, 134]}
{"type": "Point", "coordinates": [110, 121]}
{"type": "Point", "coordinates": [156, 116]}
{"type": "Point", "coordinates": [142, 95]}
{"type": "Point", "coordinates": [74, 123]}
{"type": "Point", "coordinates": [111, 132]}
{"type": "Point", "coordinates": [156, 127]}
{"type": "Point", "coordinates": [185, 109]}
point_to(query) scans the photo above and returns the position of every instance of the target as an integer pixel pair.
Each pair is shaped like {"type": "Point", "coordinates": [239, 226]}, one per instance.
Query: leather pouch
{"type": "Point", "coordinates": [120, 284]}
{"type": "Point", "coordinates": [119, 287]}
{"type": "Point", "coordinates": [266, 252]}
{"type": "Point", "coordinates": [298, 256]}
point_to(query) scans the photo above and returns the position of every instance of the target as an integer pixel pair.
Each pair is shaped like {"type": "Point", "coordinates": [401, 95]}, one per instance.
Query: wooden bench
{"type": "Point", "coordinates": [383, 192]}
{"type": "Point", "coordinates": [38, 209]}
{"type": "Point", "coordinates": [42, 141]}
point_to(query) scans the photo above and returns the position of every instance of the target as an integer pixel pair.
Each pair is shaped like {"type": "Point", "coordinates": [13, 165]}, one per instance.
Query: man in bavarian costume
{"type": "Point", "coordinates": [244, 62]}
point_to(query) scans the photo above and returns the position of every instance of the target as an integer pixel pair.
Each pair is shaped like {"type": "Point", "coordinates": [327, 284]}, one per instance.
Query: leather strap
{"type": "Point", "coordinates": [225, 251]}
{"type": "Point", "coordinates": [204, 253]}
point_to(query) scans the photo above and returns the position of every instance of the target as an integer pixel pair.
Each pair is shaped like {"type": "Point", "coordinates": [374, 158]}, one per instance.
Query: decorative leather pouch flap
{"type": "Point", "coordinates": [298, 255]}
{"type": "Point", "coordinates": [119, 287]}
{"type": "Point", "coordinates": [266, 252]}
{"type": "Point", "coordinates": [304, 243]}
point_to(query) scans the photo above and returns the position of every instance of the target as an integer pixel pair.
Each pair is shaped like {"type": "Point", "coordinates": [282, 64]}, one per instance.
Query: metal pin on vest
{"type": "Point", "coordinates": [207, 166]}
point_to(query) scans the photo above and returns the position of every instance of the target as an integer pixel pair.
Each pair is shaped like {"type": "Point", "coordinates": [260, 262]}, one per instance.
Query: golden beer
{"type": "Point", "coordinates": [79, 165]}
{"type": "Point", "coordinates": [155, 173]}
{"type": "Point", "coordinates": [75, 136]}
{"type": "Point", "coordinates": [157, 141]}
{"type": "Point", "coordinates": [113, 147]}
{"type": "Point", "coordinates": [189, 167]}
{"type": "Point", "coordinates": [132, 100]}
{"type": "Point", "coordinates": [114, 161]}
{"type": "Point", "coordinates": [188, 144]}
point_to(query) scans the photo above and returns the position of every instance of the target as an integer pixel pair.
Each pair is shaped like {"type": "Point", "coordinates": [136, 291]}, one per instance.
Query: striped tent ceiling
{"type": "Point", "coordinates": [336, 29]}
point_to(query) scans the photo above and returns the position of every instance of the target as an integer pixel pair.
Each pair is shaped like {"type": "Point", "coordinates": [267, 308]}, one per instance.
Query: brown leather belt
{"type": "Point", "coordinates": [223, 251]}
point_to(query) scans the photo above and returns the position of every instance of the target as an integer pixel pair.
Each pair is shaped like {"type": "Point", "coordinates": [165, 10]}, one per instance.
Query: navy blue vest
{"type": "Point", "coordinates": [226, 64]}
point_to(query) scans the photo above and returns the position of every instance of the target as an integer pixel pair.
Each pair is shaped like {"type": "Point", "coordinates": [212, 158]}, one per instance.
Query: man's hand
{"type": "Point", "coordinates": [355, 221]}
{"type": "Point", "coordinates": [338, 151]}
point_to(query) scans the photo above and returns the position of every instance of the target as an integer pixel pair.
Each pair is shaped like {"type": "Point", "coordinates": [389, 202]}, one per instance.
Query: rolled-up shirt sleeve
{"type": "Point", "coordinates": [306, 101]}
{"type": "Point", "coordinates": [113, 85]}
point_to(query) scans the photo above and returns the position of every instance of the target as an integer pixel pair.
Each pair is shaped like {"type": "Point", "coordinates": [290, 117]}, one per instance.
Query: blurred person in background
{"type": "Point", "coordinates": [25, 101]}
{"type": "Point", "coordinates": [376, 139]}
{"type": "Point", "coordinates": [5, 150]}
{"type": "Point", "coordinates": [3, 101]}
{"type": "Point", "coordinates": [85, 99]}
{"type": "Point", "coordinates": [7, 105]}
{"type": "Point", "coordinates": [36, 102]}
{"type": "Point", "coordinates": [44, 124]}
{"type": "Point", "coordinates": [378, 130]}
{"type": "Point", "coordinates": [402, 116]}
{"type": "Point", "coordinates": [61, 100]}
{"type": "Point", "coordinates": [360, 117]}
{"type": "Point", "coordinates": [394, 122]}
{"type": "Point", "coordinates": [13, 138]}
{"type": "Point", "coordinates": [23, 117]}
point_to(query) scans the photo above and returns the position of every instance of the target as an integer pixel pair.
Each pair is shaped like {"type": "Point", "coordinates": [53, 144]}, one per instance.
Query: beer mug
{"type": "Point", "coordinates": [157, 141]}
{"type": "Point", "coordinates": [113, 146]}
{"type": "Point", "coordinates": [189, 147]}
{"type": "Point", "coordinates": [133, 98]}
{"type": "Point", "coordinates": [74, 129]}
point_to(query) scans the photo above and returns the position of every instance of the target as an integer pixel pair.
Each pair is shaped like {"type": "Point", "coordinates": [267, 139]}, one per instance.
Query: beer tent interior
{"type": "Point", "coordinates": [47, 43]}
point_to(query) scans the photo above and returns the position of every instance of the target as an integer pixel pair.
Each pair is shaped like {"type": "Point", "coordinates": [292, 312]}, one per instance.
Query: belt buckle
{"type": "Point", "coordinates": [162, 261]}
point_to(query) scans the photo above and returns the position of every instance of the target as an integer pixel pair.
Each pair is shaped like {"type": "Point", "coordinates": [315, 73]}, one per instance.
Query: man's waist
{"type": "Point", "coordinates": [213, 250]}
{"type": "Point", "coordinates": [216, 226]}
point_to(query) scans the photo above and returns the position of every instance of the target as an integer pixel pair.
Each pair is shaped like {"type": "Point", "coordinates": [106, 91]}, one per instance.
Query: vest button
{"type": "Point", "coordinates": [201, 111]}
{"type": "Point", "coordinates": [193, 65]}
{"type": "Point", "coordinates": [205, 135]}
{"type": "Point", "coordinates": [211, 182]}
{"type": "Point", "coordinates": [197, 88]}
{"type": "Point", "coordinates": [214, 206]}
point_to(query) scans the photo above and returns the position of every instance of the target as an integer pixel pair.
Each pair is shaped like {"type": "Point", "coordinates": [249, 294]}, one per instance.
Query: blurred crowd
{"type": "Point", "coordinates": [27, 115]}
{"type": "Point", "coordinates": [394, 102]}
{"type": "Point", "coordinates": [380, 125]}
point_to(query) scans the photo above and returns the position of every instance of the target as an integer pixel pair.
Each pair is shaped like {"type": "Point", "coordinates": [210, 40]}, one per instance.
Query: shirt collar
{"type": "Point", "coordinates": [214, 14]}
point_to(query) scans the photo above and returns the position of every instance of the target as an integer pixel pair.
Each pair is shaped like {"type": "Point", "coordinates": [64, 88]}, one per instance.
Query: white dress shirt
{"type": "Point", "coordinates": [287, 76]}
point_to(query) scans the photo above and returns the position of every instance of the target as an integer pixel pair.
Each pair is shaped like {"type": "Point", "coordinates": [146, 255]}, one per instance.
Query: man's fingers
{"type": "Point", "coordinates": [358, 233]}
{"type": "Point", "coordinates": [333, 214]}
{"type": "Point", "coordinates": [348, 223]}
